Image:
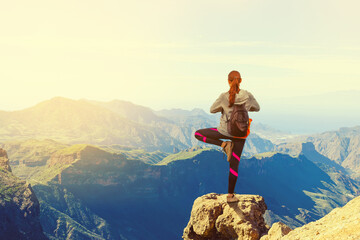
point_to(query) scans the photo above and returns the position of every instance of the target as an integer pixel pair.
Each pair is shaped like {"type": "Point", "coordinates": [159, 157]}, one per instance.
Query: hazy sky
{"type": "Point", "coordinates": [175, 54]}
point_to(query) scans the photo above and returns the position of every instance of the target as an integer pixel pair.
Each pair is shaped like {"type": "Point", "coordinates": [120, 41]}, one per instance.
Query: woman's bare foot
{"type": "Point", "coordinates": [227, 147]}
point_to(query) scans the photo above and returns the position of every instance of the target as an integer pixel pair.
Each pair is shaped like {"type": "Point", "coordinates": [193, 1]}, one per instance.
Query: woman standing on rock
{"type": "Point", "coordinates": [234, 147]}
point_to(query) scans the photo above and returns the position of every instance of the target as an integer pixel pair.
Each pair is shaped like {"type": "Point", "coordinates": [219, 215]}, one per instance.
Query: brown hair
{"type": "Point", "coordinates": [234, 79]}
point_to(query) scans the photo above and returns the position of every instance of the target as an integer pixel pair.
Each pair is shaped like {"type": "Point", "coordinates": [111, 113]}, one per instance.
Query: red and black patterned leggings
{"type": "Point", "coordinates": [212, 136]}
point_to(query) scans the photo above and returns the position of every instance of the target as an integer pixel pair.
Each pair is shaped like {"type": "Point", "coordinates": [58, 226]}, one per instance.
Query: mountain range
{"type": "Point", "coordinates": [113, 123]}
{"type": "Point", "coordinates": [125, 125]}
{"type": "Point", "coordinates": [86, 191]}
{"type": "Point", "coordinates": [104, 170]}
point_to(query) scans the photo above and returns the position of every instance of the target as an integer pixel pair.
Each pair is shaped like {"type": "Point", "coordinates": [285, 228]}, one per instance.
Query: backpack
{"type": "Point", "coordinates": [239, 121]}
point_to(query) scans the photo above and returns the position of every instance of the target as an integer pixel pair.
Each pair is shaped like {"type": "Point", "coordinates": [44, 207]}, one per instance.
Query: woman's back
{"type": "Point", "coordinates": [222, 105]}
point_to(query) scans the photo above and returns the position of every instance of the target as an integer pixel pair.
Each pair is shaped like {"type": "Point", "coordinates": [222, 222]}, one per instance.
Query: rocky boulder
{"type": "Point", "coordinates": [213, 218]}
{"type": "Point", "coordinates": [277, 231]}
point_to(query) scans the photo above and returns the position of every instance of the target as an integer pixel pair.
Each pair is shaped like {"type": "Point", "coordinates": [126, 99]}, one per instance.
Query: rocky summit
{"type": "Point", "coordinates": [213, 218]}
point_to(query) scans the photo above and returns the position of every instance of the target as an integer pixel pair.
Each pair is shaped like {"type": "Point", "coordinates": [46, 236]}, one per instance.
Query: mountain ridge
{"type": "Point", "coordinates": [71, 121]}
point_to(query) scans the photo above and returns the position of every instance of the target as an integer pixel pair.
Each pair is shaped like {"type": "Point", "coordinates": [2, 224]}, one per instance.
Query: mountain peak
{"type": "Point", "coordinates": [59, 98]}
{"type": "Point", "coordinates": [53, 103]}
{"type": "Point", "coordinates": [198, 111]}
{"type": "Point", "coordinates": [75, 152]}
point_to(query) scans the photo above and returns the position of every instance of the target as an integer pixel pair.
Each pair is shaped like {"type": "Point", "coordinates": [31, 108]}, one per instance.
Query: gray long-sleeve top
{"type": "Point", "coordinates": [222, 105]}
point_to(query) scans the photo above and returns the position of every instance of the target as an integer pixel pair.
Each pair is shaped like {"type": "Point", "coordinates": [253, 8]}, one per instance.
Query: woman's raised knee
{"type": "Point", "coordinates": [198, 135]}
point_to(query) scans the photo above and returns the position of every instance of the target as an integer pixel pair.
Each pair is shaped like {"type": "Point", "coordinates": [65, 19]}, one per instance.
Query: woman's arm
{"type": "Point", "coordinates": [216, 107]}
{"type": "Point", "coordinates": [254, 105]}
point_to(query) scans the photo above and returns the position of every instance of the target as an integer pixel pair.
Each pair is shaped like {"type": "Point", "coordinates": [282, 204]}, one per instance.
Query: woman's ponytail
{"type": "Point", "coordinates": [234, 86]}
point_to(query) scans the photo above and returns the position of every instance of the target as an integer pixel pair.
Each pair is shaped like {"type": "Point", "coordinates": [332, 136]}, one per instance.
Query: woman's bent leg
{"type": "Point", "coordinates": [234, 163]}
{"type": "Point", "coordinates": [212, 136]}
{"type": "Point", "coordinates": [209, 135]}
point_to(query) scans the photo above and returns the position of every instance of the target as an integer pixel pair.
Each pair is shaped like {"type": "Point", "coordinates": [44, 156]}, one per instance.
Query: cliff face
{"type": "Point", "coordinates": [4, 160]}
{"type": "Point", "coordinates": [342, 147]}
{"type": "Point", "coordinates": [19, 207]}
{"type": "Point", "coordinates": [63, 216]}
{"type": "Point", "coordinates": [213, 218]}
